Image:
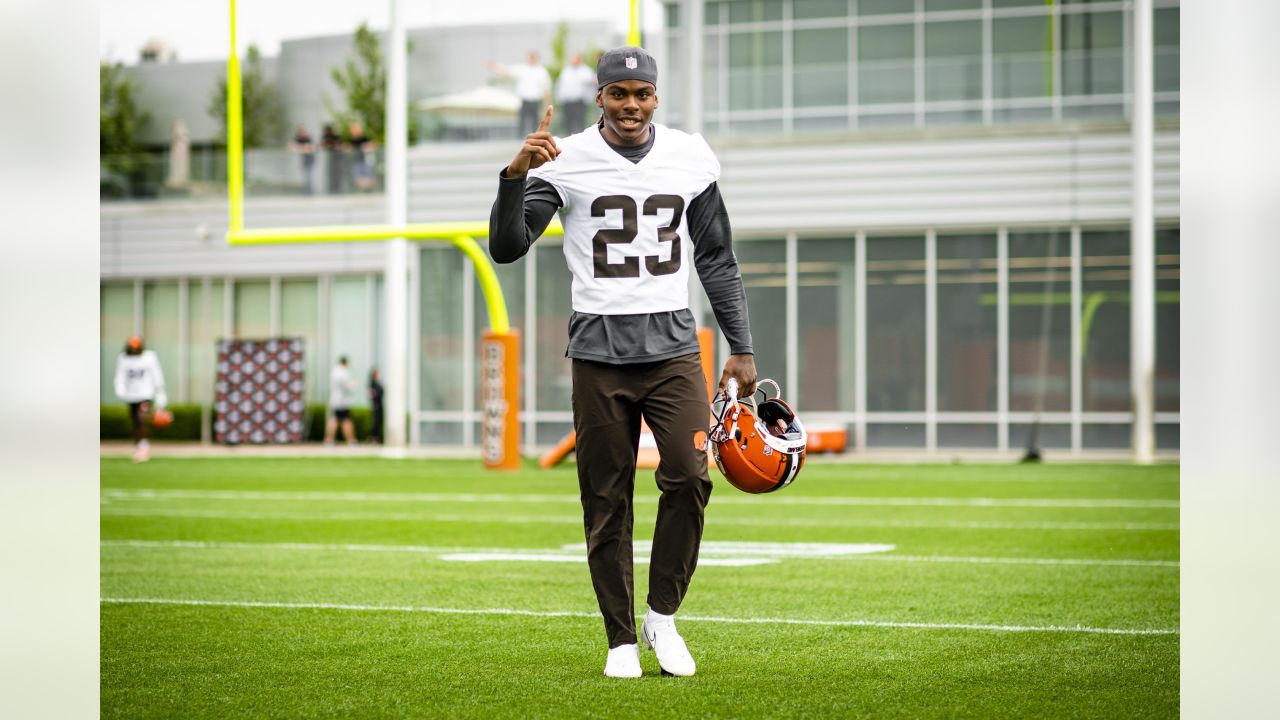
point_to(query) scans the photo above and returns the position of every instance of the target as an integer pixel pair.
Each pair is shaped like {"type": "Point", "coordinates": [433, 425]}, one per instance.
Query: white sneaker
{"type": "Point", "coordinates": [623, 662]}
{"type": "Point", "coordinates": [659, 633]}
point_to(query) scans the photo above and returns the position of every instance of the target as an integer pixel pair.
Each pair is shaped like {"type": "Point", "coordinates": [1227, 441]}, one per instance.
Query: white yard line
{"type": "Point", "coordinates": [710, 550]}
{"type": "Point", "coordinates": [162, 494]}
{"type": "Point", "coordinates": [683, 618]}
{"type": "Point", "coordinates": [113, 511]}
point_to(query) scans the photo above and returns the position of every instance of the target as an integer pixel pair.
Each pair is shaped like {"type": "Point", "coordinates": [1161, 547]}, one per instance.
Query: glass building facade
{"type": "Point", "coordinates": [931, 336]}
{"type": "Point", "coordinates": [798, 66]}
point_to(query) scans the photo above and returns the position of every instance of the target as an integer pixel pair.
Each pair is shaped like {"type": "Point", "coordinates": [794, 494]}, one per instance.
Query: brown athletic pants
{"type": "Point", "coordinates": [608, 403]}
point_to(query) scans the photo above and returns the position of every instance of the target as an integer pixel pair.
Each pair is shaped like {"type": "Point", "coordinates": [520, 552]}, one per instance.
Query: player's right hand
{"type": "Point", "coordinates": [539, 148]}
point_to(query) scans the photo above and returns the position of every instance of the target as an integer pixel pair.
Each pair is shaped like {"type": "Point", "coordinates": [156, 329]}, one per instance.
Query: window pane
{"type": "Point", "coordinates": [711, 74]}
{"type": "Point", "coordinates": [203, 332]}
{"type": "Point", "coordinates": [511, 278]}
{"type": "Point", "coordinates": [672, 109]}
{"type": "Point", "coordinates": [1104, 321]}
{"type": "Point", "coordinates": [1168, 317]}
{"type": "Point", "coordinates": [554, 305]}
{"type": "Point", "coordinates": [1167, 50]}
{"type": "Point", "coordinates": [755, 70]}
{"type": "Point", "coordinates": [350, 333]}
{"type": "Point", "coordinates": [886, 64]}
{"type": "Point", "coordinates": [821, 67]}
{"type": "Point", "coordinates": [440, 329]}
{"type": "Point", "coordinates": [953, 60]}
{"type": "Point", "coordinates": [711, 12]}
{"type": "Point", "coordinates": [967, 436]}
{"type": "Point", "coordinates": [1093, 54]}
{"type": "Point", "coordinates": [764, 274]}
{"type": "Point", "coordinates": [671, 13]}
{"type": "Point", "coordinates": [116, 323]}
{"type": "Point", "coordinates": [160, 330]}
{"type": "Point", "coordinates": [895, 323]}
{"type": "Point", "coordinates": [1022, 57]}
{"type": "Point", "coordinates": [895, 435]}
{"type": "Point", "coordinates": [827, 324]}
{"type": "Point", "coordinates": [744, 11]}
{"type": "Point", "coordinates": [805, 9]}
{"type": "Point", "coordinates": [300, 318]}
{"type": "Point", "coordinates": [967, 292]}
{"type": "Point", "coordinates": [252, 309]}
{"type": "Point", "coordinates": [952, 5]}
{"type": "Point", "coordinates": [885, 7]}
{"type": "Point", "coordinates": [1047, 436]}
{"type": "Point", "coordinates": [1039, 320]}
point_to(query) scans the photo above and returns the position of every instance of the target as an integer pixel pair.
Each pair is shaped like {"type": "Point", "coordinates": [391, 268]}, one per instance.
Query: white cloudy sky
{"type": "Point", "coordinates": [198, 28]}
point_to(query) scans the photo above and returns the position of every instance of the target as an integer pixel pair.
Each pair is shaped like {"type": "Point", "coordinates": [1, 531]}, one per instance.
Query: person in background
{"type": "Point", "coordinates": [341, 393]}
{"type": "Point", "coordinates": [375, 404]}
{"type": "Point", "coordinates": [306, 150]}
{"type": "Point", "coordinates": [139, 382]}
{"type": "Point", "coordinates": [331, 142]}
{"type": "Point", "coordinates": [533, 86]}
{"type": "Point", "coordinates": [361, 167]}
{"type": "Point", "coordinates": [575, 86]}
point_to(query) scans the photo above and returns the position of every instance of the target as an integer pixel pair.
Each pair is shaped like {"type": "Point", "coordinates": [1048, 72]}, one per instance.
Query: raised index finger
{"type": "Point", "coordinates": [546, 119]}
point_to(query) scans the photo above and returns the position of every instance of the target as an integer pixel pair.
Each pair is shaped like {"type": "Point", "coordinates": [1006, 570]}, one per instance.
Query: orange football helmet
{"type": "Point", "coordinates": [161, 419]}
{"type": "Point", "coordinates": [758, 446]}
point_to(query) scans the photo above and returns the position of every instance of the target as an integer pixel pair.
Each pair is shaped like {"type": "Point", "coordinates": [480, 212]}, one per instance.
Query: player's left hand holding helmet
{"type": "Point", "coordinates": [758, 446]}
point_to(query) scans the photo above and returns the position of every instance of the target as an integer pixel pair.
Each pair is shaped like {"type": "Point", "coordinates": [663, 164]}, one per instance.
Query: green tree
{"type": "Point", "coordinates": [119, 120]}
{"type": "Point", "coordinates": [363, 82]}
{"type": "Point", "coordinates": [260, 104]}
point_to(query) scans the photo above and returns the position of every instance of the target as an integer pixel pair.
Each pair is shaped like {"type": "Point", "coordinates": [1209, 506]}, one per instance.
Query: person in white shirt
{"type": "Point", "coordinates": [139, 382]}
{"type": "Point", "coordinates": [533, 87]}
{"type": "Point", "coordinates": [341, 392]}
{"type": "Point", "coordinates": [574, 88]}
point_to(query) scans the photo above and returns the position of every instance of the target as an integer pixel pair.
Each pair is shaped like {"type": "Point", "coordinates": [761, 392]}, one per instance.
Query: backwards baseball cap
{"type": "Point", "coordinates": [626, 63]}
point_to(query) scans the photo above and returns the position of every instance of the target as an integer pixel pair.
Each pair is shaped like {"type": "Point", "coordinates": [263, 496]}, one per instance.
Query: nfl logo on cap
{"type": "Point", "coordinates": [631, 63]}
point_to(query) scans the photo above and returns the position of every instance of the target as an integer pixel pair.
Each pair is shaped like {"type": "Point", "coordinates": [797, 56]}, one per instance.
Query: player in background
{"type": "Point", "coordinates": [639, 205]}
{"type": "Point", "coordinates": [139, 382]}
{"type": "Point", "coordinates": [342, 391]}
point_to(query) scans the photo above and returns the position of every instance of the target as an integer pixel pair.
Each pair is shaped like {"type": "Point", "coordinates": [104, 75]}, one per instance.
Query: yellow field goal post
{"type": "Point", "coordinates": [500, 354]}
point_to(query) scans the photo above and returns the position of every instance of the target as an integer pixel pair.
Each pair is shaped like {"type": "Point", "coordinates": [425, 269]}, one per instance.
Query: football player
{"type": "Point", "coordinates": [139, 382]}
{"type": "Point", "coordinates": [639, 205]}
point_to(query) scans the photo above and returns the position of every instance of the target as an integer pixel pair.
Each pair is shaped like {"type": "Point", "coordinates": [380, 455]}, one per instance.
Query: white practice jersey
{"type": "Point", "coordinates": [626, 238]}
{"type": "Point", "coordinates": [139, 378]}
{"type": "Point", "coordinates": [341, 391]}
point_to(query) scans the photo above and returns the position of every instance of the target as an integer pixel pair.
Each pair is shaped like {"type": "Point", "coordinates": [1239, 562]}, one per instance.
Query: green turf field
{"type": "Point", "coordinates": [427, 588]}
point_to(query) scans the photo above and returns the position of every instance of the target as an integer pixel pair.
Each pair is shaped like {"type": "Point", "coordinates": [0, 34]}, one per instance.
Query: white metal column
{"type": "Point", "coordinates": [1002, 339]}
{"type": "Point", "coordinates": [1142, 306]}
{"type": "Point", "coordinates": [415, 344]}
{"type": "Point", "coordinates": [693, 10]}
{"type": "Point", "coordinates": [1077, 362]}
{"type": "Point", "coordinates": [397, 259]}
{"type": "Point", "coordinates": [228, 308]}
{"type": "Point", "coordinates": [468, 351]}
{"type": "Point", "coordinates": [529, 383]}
{"type": "Point", "coordinates": [931, 340]}
{"type": "Point", "coordinates": [184, 338]}
{"type": "Point", "coordinates": [793, 316]}
{"type": "Point", "coordinates": [206, 336]}
{"type": "Point", "coordinates": [137, 308]}
{"type": "Point", "coordinates": [860, 341]}
{"type": "Point", "coordinates": [273, 303]}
